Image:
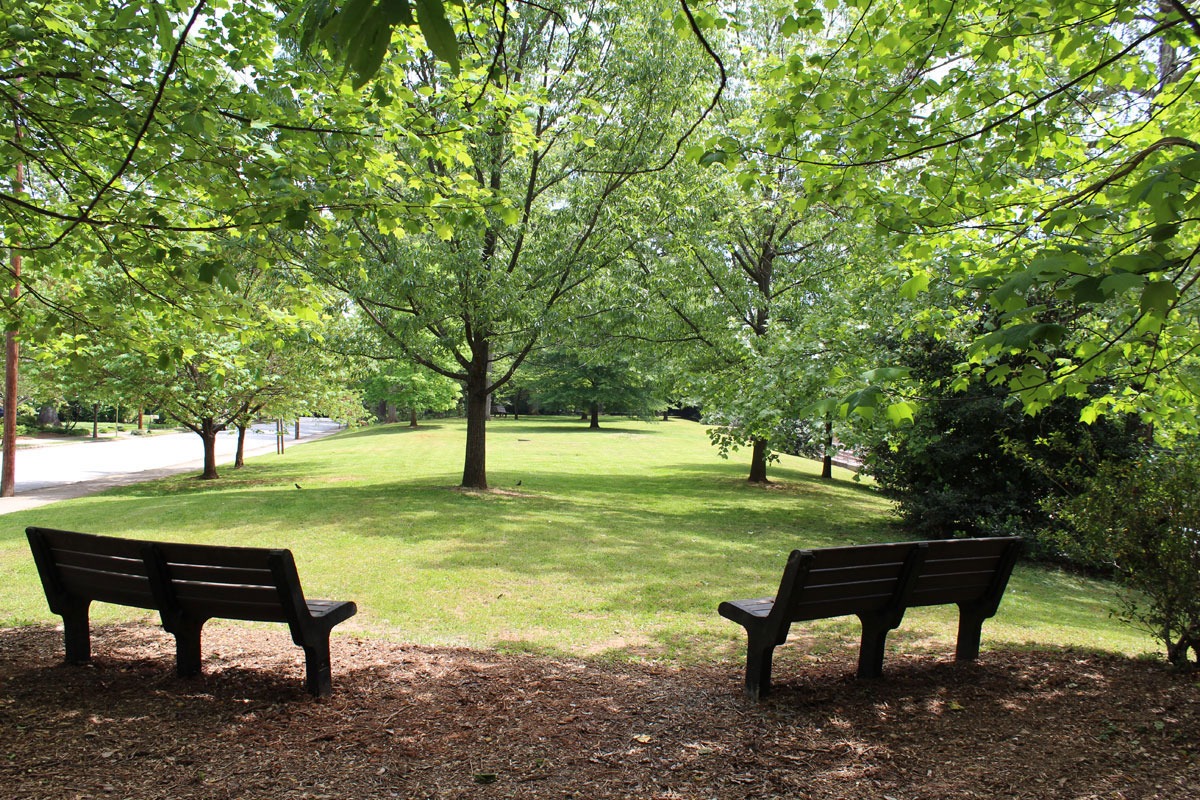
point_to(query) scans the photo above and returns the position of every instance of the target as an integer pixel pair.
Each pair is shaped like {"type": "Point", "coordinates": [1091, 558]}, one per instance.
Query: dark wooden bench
{"type": "Point", "coordinates": [876, 583]}
{"type": "Point", "coordinates": [188, 584]}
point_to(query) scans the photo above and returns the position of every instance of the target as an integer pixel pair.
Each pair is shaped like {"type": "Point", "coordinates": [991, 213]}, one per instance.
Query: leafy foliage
{"type": "Point", "coordinates": [973, 463]}
{"type": "Point", "coordinates": [1029, 159]}
{"type": "Point", "coordinates": [1141, 519]}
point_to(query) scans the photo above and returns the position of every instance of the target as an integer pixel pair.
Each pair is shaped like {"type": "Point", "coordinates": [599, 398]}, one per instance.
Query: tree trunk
{"type": "Point", "coordinates": [141, 419]}
{"type": "Point", "coordinates": [412, 417]}
{"type": "Point", "coordinates": [239, 460]}
{"type": "Point", "coordinates": [95, 420]}
{"type": "Point", "coordinates": [827, 462]}
{"type": "Point", "coordinates": [477, 392]}
{"type": "Point", "coordinates": [208, 434]}
{"type": "Point", "coordinates": [8, 449]}
{"type": "Point", "coordinates": [666, 415]}
{"type": "Point", "coordinates": [758, 461]}
{"type": "Point", "coordinates": [475, 463]}
{"type": "Point", "coordinates": [595, 412]}
{"type": "Point", "coordinates": [48, 415]}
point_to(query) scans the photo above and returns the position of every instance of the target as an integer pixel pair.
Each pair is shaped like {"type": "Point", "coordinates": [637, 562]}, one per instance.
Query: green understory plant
{"type": "Point", "coordinates": [1141, 520]}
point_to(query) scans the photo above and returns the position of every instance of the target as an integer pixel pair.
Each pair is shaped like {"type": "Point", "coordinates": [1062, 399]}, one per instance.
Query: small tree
{"type": "Point", "coordinates": [1141, 519]}
{"type": "Point", "coordinates": [400, 384]}
{"type": "Point", "coordinates": [591, 380]}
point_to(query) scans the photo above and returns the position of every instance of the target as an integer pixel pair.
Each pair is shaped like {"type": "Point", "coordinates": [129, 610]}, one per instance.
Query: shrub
{"type": "Point", "coordinates": [973, 463]}
{"type": "Point", "coordinates": [1141, 520]}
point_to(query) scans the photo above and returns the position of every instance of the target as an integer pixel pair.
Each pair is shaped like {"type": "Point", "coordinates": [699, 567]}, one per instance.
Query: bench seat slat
{"type": "Point", "coordinates": [859, 555]}
{"type": "Point", "coordinates": [889, 570]}
{"type": "Point", "coordinates": [235, 576]}
{"type": "Point", "coordinates": [844, 607]}
{"type": "Point", "coordinates": [89, 543]}
{"type": "Point", "coordinates": [990, 547]}
{"type": "Point", "coordinates": [193, 592]}
{"type": "Point", "coordinates": [216, 555]}
{"type": "Point", "coordinates": [88, 578]}
{"type": "Point", "coordinates": [950, 566]}
{"type": "Point", "coordinates": [126, 565]}
{"type": "Point", "coordinates": [225, 608]}
{"type": "Point", "coordinates": [110, 587]}
{"type": "Point", "coordinates": [866, 590]}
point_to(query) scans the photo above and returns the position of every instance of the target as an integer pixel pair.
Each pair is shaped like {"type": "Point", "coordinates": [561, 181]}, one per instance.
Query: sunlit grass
{"type": "Point", "coordinates": [619, 542]}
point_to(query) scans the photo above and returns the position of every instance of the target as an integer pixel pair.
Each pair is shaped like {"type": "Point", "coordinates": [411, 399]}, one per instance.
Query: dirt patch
{"type": "Point", "coordinates": [417, 722]}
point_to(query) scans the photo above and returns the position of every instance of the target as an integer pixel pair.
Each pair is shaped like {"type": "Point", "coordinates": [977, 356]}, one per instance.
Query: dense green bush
{"type": "Point", "coordinates": [1141, 520]}
{"type": "Point", "coordinates": [973, 463]}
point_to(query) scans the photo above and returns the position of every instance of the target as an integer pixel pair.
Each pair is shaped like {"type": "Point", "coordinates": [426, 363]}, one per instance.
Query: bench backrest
{"type": "Point", "coordinates": [874, 578]}
{"type": "Point", "coordinates": [965, 570]}
{"type": "Point", "coordinates": [195, 581]}
{"type": "Point", "coordinates": [86, 566]}
{"type": "Point", "coordinates": [250, 583]}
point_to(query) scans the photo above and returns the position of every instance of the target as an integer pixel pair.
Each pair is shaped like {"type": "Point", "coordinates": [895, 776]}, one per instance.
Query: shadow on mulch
{"type": "Point", "coordinates": [423, 722]}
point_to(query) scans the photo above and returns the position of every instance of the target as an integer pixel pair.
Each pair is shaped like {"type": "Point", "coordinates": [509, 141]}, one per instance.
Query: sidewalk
{"type": "Point", "coordinates": [61, 471]}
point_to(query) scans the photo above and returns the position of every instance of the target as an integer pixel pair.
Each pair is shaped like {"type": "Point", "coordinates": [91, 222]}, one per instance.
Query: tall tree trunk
{"type": "Point", "coordinates": [758, 461]}
{"type": "Point", "coordinates": [827, 462]}
{"type": "Point", "coordinates": [475, 463]}
{"type": "Point", "coordinates": [8, 449]}
{"type": "Point", "coordinates": [595, 413]}
{"type": "Point", "coordinates": [141, 419]}
{"type": "Point", "coordinates": [95, 420]}
{"type": "Point", "coordinates": [208, 434]}
{"type": "Point", "coordinates": [239, 459]}
{"type": "Point", "coordinates": [412, 417]}
{"type": "Point", "coordinates": [478, 396]}
{"type": "Point", "coordinates": [666, 415]}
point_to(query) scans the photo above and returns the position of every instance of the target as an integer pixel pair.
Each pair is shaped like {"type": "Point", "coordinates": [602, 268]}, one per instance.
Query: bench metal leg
{"type": "Point", "coordinates": [77, 637]}
{"type": "Point", "coordinates": [970, 630]}
{"type": "Point", "coordinates": [187, 648]}
{"type": "Point", "coordinates": [759, 653]}
{"type": "Point", "coordinates": [871, 649]}
{"type": "Point", "coordinates": [318, 668]}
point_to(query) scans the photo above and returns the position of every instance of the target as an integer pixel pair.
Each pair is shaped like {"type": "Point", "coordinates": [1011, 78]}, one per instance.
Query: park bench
{"type": "Point", "coordinates": [188, 584]}
{"type": "Point", "coordinates": [876, 583]}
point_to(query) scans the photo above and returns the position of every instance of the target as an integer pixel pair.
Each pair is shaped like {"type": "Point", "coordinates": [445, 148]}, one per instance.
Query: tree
{"type": "Point", "coordinates": [134, 128]}
{"type": "Point", "coordinates": [592, 379]}
{"type": "Point", "coordinates": [748, 265]}
{"type": "Point", "coordinates": [556, 109]}
{"type": "Point", "coordinates": [399, 385]}
{"type": "Point", "coordinates": [1034, 160]}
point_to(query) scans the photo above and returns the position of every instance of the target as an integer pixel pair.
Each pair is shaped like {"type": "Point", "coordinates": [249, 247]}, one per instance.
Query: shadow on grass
{"type": "Point", "coordinates": [391, 429]}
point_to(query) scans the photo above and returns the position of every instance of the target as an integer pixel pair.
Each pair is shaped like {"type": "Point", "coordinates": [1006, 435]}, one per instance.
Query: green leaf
{"type": "Point", "coordinates": [1158, 297]}
{"type": "Point", "coordinates": [439, 33]}
{"type": "Point", "coordinates": [1120, 282]}
{"type": "Point", "coordinates": [914, 286]}
{"type": "Point", "coordinates": [898, 413]}
{"type": "Point", "coordinates": [367, 56]}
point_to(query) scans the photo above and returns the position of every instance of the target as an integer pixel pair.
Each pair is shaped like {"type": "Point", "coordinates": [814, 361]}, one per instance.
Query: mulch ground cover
{"type": "Point", "coordinates": [425, 722]}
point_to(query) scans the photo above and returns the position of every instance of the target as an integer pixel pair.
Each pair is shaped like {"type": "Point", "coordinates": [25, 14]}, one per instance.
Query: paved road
{"type": "Point", "coordinates": [60, 471]}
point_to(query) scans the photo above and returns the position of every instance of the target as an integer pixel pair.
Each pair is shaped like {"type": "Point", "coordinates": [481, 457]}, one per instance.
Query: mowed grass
{"type": "Point", "coordinates": [617, 543]}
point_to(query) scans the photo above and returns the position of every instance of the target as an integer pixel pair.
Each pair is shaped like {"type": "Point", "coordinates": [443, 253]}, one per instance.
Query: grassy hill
{"type": "Point", "coordinates": [619, 542]}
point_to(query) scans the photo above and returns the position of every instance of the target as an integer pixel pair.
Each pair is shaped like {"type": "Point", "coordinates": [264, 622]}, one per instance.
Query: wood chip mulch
{"type": "Point", "coordinates": [425, 722]}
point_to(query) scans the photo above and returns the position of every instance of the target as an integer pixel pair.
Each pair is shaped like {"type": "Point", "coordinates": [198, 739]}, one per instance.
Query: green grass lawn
{"type": "Point", "coordinates": [618, 543]}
